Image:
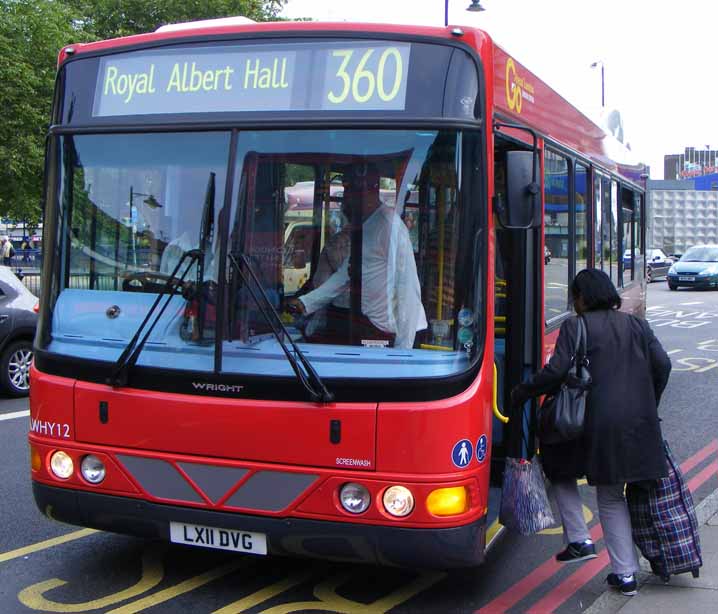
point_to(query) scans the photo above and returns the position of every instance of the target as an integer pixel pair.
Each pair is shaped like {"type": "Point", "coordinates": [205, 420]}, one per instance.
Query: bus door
{"type": "Point", "coordinates": [517, 322]}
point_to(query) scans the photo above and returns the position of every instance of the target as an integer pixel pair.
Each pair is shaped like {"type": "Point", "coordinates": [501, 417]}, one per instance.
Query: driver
{"type": "Point", "coordinates": [176, 250]}
{"type": "Point", "coordinates": [391, 308]}
{"type": "Point", "coordinates": [173, 253]}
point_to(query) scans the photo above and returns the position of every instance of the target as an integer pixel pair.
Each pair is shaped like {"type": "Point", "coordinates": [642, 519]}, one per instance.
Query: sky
{"type": "Point", "coordinates": [659, 57]}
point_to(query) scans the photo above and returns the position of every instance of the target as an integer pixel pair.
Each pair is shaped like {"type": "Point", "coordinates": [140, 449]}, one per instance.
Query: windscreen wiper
{"type": "Point", "coordinates": [206, 236]}
{"type": "Point", "coordinates": [308, 377]}
{"type": "Point", "coordinates": [132, 351]}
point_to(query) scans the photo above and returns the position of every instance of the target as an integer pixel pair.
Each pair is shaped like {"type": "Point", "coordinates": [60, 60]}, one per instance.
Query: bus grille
{"type": "Point", "coordinates": [258, 490]}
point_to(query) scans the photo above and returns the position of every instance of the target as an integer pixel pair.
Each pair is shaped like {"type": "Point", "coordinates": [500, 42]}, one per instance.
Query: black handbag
{"type": "Point", "coordinates": [561, 415]}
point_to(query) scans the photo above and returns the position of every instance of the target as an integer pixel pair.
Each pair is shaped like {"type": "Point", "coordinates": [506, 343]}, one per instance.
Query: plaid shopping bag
{"type": "Point", "coordinates": [664, 523]}
{"type": "Point", "coordinates": [525, 507]}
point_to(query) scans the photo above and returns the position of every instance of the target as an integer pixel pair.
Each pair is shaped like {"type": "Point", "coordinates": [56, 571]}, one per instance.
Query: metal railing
{"type": "Point", "coordinates": [32, 280]}
{"type": "Point", "coordinates": [27, 266]}
{"type": "Point", "coordinates": [25, 258]}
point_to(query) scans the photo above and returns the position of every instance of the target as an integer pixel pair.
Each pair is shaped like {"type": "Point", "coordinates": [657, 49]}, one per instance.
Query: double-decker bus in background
{"type": "Point", "coordinates": [175, 394]}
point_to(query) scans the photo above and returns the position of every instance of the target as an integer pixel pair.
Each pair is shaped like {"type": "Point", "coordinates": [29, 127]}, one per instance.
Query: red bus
{"type": "Point", "coordinates": [181, 391]}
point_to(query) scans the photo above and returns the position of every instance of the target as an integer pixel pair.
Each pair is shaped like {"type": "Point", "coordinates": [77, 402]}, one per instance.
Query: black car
{"type": "Point", "coordinates": [18, 320]}
{"type": "Point", "coordinates": [697, 268]}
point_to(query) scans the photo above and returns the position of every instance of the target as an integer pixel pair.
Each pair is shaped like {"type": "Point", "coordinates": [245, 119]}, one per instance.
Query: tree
{"type": "Point", "coordinates": [31, 34]}
{"type": "Point", "coordinates": [112, 18]}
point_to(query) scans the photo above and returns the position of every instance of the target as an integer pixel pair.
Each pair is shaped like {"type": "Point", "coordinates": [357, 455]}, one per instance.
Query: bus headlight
{"type": "Point", "coordinates": [93, 469]}
{"type": "Point", "coordinates": [354, 498]}
{"type": "Point", "coordinates": [398, 501]}
{"type": "Point", "coordinates": [61, 464]}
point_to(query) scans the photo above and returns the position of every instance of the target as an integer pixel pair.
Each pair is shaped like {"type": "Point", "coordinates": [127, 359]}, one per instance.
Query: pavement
{"type": "Point", "coordinates": [682, 593]}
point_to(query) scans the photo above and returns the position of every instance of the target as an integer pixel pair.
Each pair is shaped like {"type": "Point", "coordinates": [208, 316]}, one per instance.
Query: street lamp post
{"type": "Point", "coordinates": [151, 202]}
{"type": "Point", "coordinates": [475, 7]}
{"type": "Point", "coordinates": [603, 88]}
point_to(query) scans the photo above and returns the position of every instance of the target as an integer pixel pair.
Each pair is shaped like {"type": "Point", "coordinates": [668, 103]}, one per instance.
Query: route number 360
{"type": "Point", "coordinates": [362, 82]}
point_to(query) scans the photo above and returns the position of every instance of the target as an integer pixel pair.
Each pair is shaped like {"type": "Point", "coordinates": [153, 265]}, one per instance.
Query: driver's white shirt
{"type": "Point", "coordinates": [391, 294]}
{"type": "Point", "coordinates": [174, 252]}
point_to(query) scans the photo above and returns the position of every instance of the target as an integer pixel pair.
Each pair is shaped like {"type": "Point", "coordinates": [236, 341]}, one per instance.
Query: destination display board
{"type": "Point", "coordinates": [338, 75]}
{"type": "Point", "coordinates": [260, 79]}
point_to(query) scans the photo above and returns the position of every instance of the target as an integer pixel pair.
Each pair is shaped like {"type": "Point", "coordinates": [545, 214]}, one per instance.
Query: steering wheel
{"type": "Point", "coordinates": [152, 281]}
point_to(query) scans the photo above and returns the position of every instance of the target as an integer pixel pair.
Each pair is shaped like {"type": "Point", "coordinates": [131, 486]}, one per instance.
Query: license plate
{"type": "Point", "coordinates": [222, 539]}
{"type": "Point", "coordinates": [686, 278]}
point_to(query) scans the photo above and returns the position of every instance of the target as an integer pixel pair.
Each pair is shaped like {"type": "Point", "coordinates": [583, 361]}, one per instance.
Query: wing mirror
{"type": "Point", "coordinates": [522, 208]}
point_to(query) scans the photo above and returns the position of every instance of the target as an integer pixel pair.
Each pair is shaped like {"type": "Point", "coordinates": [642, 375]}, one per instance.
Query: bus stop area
{"type": "Point", "coordinates": [682, 593]}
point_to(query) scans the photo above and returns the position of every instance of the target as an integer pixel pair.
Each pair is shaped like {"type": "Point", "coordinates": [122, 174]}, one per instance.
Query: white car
{"type": "Point", "coordinates": [18, 321]}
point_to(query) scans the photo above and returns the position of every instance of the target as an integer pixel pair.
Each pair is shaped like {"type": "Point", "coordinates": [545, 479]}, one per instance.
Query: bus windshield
{"type": "Point", "coordinates": [363, 240]}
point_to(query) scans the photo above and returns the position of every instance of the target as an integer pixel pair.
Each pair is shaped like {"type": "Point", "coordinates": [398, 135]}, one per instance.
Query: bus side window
{"type": "Point", "coordinates": [580, 233]}
{"type": "Point", "coordinates": [556, 234]}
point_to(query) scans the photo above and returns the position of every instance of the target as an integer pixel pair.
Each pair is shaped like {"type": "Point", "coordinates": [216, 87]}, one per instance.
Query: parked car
{"type": "Point", "coordinates": [657, 264]}
{"type": "Point", "coordinates": [18, 320]}
{"type": "Point", "coordinates": [697, 268]}
{"type": "Point", "coordinates": [627, 257]}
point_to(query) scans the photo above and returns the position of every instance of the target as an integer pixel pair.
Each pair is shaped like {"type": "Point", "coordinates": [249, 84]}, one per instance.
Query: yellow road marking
{"type": "Point", "coordinates": [587, 516]}
{"type": "Point", "coordinates": [265, 594]}
{"type": "Point", "coordinates": [48, 543]}
{"type": "Point", "coordinates": [406, 592]}
{"type": "Point", "coordinates": [328, 589]}
{"type": "Point", "coordinates": [179, 589]}
{"type": "Point", "coordinates": [34, 598]}
{"type": "Point", "coordinates": [329, 601]}
{"type": "Point", "coordinates": [492, 531]}
{"type": "Point", "coordinates": [152, 573]}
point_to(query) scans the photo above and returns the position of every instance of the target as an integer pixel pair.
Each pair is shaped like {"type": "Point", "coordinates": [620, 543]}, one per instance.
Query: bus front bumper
{"type": "Point", "coordinates": [359, 543]}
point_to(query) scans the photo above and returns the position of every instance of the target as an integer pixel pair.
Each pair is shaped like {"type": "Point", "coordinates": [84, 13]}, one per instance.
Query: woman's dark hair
{"type": "Point", "coordinates": [595, 289]}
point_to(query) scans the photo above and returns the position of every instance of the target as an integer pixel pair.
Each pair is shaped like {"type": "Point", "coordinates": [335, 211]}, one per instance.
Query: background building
{"type": "Point", "coordinates": [690, 164]}
{"type": "Point", "coordinates": [682, 213]}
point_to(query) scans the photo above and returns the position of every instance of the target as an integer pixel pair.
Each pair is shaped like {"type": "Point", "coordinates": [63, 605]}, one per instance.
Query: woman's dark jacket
{"type": "Point", "coordinates": [622, 441]}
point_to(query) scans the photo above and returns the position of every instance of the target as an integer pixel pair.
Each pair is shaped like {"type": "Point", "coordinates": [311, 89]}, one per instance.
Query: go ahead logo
{"type": "Point", "coordinates": [517, 89]}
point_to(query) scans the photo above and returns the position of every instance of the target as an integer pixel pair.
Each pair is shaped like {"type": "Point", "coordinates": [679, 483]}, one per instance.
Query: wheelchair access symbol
{"type": "Point", "coordinates": [481, 448]}
{"type": "Point", "coordinates": [462, 453]}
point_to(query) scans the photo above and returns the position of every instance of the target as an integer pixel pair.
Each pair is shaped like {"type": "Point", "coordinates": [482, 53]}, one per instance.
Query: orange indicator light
{"type": "Point", "coordinates": [35, 459]}
{"type": "Point", "coordinates": [448, 501]}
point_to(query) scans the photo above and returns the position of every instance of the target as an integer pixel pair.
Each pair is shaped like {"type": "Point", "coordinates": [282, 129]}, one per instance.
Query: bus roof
{"type": "Point", "coordinates": [522, 97]}
{"type": "Point", "coordinates": [214, 27]}
{"type": "Point", "coordinates": [205, 23]}
{"type": "Point", "coordinates": [519, 95]}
